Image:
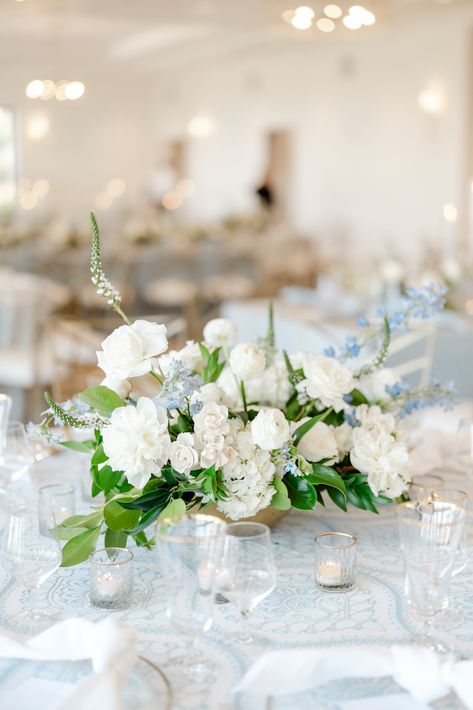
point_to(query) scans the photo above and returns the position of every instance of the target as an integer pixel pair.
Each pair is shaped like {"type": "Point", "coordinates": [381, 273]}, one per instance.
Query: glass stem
{"type": "Point", "coordinates": [33, 601]}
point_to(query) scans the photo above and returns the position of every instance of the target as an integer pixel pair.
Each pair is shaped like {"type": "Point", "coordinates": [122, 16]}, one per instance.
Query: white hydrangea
{"type": "Point", "coordinates": [248, 477]}
{"type": "Point", "coordinates": [137, 440]}
{"type": "Point", "coordinates": [374, 418]}
{"type": "Point", "coordinates": [377, 453]}
{"type": "Point", "coordinates": [327, 380]}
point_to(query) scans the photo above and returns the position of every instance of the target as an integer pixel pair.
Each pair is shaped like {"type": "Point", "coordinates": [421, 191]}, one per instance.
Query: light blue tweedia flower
{"type": "Point", "coordinates": [329, 351]}
{"type": "Point", "coordinates": [397, 389]}
{"type": "Point", "coordinates": [426, 301]}
{"type": "Point", "coordinates": [38, 432]}
{"type": "Point", "coordinates": [179, 385]}
{"type": "Point", "coordinates": [291, 467]}
{"type": "Point", "coordinates": [196, 407]}
{"type": "Point", "coordinates": [434, 394]}
{"type": "Point", "coordinates": [352, 346]}
{"type": "Point", "coordinates": [349, 415]}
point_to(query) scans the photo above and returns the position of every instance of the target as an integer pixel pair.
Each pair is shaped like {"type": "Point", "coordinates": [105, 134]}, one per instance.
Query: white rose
{"type": "Point", "coordinates": [121, 387]}
{"type": "Point", "coordinates": [327, 380]}
{"type": "Point", "coordinates": [270, 429]}
{"type": "Point", "coordinates": [212, 417]}
{"type": "Point", "coordinates": [191, 356]}
{"type": "Point", "coordinates": [137, 441]}
{"type": "Point", "coordinates": [382, 458]}
{"type": "Point", "coordinates": [216, 453]}
{"type": "Point", "coordinates": [319, 443]}
{"type": "Point", "coordinates": [184, 458]}
{"type": "Point", "coordinates": [247, 360]}
{"type": "Point", "coordinates": [219, 332]}
{"type": "Point", "coordinates": [129, 351]}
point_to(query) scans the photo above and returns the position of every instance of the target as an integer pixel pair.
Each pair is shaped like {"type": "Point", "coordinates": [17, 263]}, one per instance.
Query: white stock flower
{"type": "Point", "coordinates": [219, 332]}
{"type": "Point", "coordinates": [212, 418]}
{"type": "Point", "coordinates": [137, 440]}
{"type": "Point", "coordinates": [130, 350]}
{"type": "Point", "coordinates": [121, 387]}
{"type": "Point", "coordinates": [270, 429]}
{"type": "Point", "coordinates": [375, 418]}
{"type": "Point", "coordinates": [248, 477]}
{"type": "Point", "coordinates": [326, 379]}
{"type": "Point", "coordinates": [319, 443]}
{"type": "Point", "coordinates": [247, 360]}
{"type": "Point", "coordinates": [184, 458]}
{"type": "Point", "coordinates": [385, 460]}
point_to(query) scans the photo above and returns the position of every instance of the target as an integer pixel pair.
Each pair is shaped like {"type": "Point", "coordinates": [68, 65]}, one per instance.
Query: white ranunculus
{"type": "Point", "coordinates": [247, 360]}
{"type": "Point", "coordinates": [219, 332]}
{"type": "Point", "coordinates": [318, 444]}
{"type": "Point", "coordinates": [270, 429]}
{"type": "Point", "coordinates": [130, 350]}
{"type": "Point", "coordinates": [137, 440]}
{"type": "Point", "coordinates": [184, 458]}
{"type": "Point", "coordinates": [216, 453]}
{"type": "Point", "coordinates": [327, 380]}
{"type": "Point", "coordinates": [382, 458]}
{"type": "Point", "coordinates": [209, 392]}
{"type": "Point", "coordinates": [121, 387]}
{"type": "Point", "coordinates": [213, 418]}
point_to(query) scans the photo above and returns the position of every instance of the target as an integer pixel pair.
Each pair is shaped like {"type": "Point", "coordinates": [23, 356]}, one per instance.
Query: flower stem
{"type": "Point", "coordinates": [243, 396]}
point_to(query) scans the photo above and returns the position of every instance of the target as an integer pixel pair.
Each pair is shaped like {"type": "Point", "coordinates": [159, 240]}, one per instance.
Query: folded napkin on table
{"type": "Point", "coordinates": [109, 644]}
{"type": "Point", "coordinates": [425, 674]}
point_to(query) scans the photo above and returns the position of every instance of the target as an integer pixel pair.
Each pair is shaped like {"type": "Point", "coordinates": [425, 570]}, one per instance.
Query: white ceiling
{"type": "Point", "coordinates": [145, 35]}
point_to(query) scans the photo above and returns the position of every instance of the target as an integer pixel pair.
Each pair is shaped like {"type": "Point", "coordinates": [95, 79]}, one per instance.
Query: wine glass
{"type": "Point", "coordinates": [463, 450]}
{"type": "Point", "coordinates": [247, 573]}
{"type": "Point", "coordinates": [15, 459]}
{"type": "Point", "coordinates": [430, 533]}
{"type": "Point", "coordinates": [421, 487]}
{"type": "Point", "coordinates": [5, 407]}
{"type": "Point", "coordinates": [31, 556]}
{"type": "Point", "coordinates": [189, 550]}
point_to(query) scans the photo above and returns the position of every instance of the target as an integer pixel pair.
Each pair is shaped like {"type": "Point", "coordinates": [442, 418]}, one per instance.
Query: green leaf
{"type": "Point", "coordinates": [204, 353]}
{"type": "Point", "coordinates": [355, 499]}
{"type": "Point", "coordinates": [338, 498]}
{"type": "Point", "coordinates": [301, 492]}
{"type": "Point", "coordinates": [280, 499]}
{"type": "Point", "coordinates": [99, 456]}
{"type": "Point", "coordinates": [307, 426]}
{"type": "Point", "coordinates": [158, 497]}
{"type": "Point", "coordinates": [83, 446]}
{"type": "Point", "coordinates": [142, 541]}
{"type": "Point", "coordinates": [115, 539]}
{"type": "Point", "coordinates": [324, 475]}
{"type": "Point", "coordinates": [67, 532]}
{"type": "Point", "coordinates": [83, 521]}
{"type": "Point", "coordinates": [119, 518]}
{"type": "Point", "coordinates": [175, 509]}
{"type": "Point", "coordinates": [357, 398]}
{"type": "Point", "coordinates": [290, 370]}
{"type": "Point", "coordinates": [80, 548]}
{"type": "Point", "coordinates": [107, 478]}
{"type": "Point", "coordinates": [148, 518]}
{"type": "Point", "coordinates": [101, 399]}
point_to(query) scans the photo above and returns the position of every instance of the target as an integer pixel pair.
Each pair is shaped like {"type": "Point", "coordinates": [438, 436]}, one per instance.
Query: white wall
{"type": "Point", "coordinates": [367, 163]}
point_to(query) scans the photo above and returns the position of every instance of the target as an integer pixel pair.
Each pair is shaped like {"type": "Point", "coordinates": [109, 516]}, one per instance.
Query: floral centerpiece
{"type": "Point", "coordinates": [240, 426]}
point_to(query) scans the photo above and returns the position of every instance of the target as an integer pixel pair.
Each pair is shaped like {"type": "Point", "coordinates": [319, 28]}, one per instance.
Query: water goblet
{"type": "Point", "coordinates": [32, 556]}
{"type": "Point", "coordinates": [421, 487]}
{"type": "Point", "coordinates": [190, 549]}
{"type": "Point", "coordinates": [247, 573]}
{"type": "Point", "coordinates": [15, 459]}
{"type": "Point", "coordinates": [430, 534]}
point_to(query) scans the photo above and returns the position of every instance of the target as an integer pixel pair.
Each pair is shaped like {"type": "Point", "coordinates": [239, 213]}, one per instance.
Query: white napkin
{"type": "Point", "coordinates": [426, 675]}
{"type": "Point", "coordinates": [110, 644]}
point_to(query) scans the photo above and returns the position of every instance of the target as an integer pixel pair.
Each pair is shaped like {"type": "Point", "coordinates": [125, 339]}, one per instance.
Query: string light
{"type": "Point", "coordinates": [63, 90]}
{"type": "Point", "coordinates": [333, 11]}
{"type": "Point", "coordinates": [325, 24]}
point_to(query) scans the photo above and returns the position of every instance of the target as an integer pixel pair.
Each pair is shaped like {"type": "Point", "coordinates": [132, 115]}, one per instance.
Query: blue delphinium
{"type": "Point", "coordinates": [179, 385]}
{"type": "Point", "coordinates": [434, 394]}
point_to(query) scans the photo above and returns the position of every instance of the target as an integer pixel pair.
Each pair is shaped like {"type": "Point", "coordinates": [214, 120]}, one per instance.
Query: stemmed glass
{"type": "Point", "coordinates": [247, 573]}
{"type": "Point", "coordinates": [430, 533]}
{"type": "Point", "coordinates": [31, 556]}
{"type": "Point", "coordinates": [463, 451]}
{"type": "Point", "coordinates": [5, 407]}
{"type": "Point", "coordinates": [189, 550]}
{"type": "Point", "coordinates": [15, 458]}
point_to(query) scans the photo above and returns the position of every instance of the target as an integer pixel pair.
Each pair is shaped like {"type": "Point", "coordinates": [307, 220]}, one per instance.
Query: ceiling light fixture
{"type": "Point", "coordinates": [333, 11]}
{"type": "Point", "coordinates": [325, 24]}
{"type": "Point", "coordinates": [46, 89]}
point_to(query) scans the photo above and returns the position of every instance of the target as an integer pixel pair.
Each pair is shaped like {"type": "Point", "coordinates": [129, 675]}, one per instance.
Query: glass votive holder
{"type": "Point", "coordinates": [335, 561]}
{"type": "Point", "coordinates": [111, 578]}
{"type": "Point", "coordinates": [56, 500]}
{"type": "Point", "coordinates": [422, 487]}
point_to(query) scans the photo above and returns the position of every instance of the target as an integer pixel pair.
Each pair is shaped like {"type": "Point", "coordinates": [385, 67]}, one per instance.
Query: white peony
{"type": "Point", "coordinates": [212, 418]}
{"type": "Point", "coordinates": [137, 440]}
{"type": "Point", "coordinates": [382, 458]}
{"type": "Point", "coordinates": [130, 350]}
{"type": "Point", "coordinates": [182, 454]}
{"type": "Point", "coordinates": [248, 477]}
{"type": "Point", "coordinates": [319, 443]}
{"type": "Point", "coordinates": [247, 360]}
{"type": "Point", "coordinates": [327, 380]}
{"type": "Point", "coordinates": [219, 332]}
{"type": "Point", "coordinates": [121, 387]}
{"type": "Point", "coordinates": [270, 429]}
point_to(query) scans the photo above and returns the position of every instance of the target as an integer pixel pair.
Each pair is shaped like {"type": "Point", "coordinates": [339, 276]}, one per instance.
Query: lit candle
{"type": "Point", "coordinates": [206, 575]}
{"type": "Point", "coordinates": [108, 584]}
{"type": "Point", "coordinates": [329, 573]}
